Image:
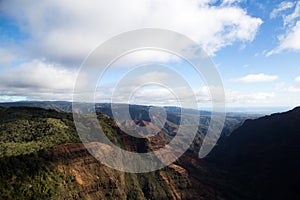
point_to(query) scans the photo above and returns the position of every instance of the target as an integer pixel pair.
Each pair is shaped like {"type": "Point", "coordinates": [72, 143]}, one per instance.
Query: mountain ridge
{"type": "Point", "coordinates": [262, 153]}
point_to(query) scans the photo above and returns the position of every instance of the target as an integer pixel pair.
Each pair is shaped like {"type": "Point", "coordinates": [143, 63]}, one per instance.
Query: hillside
{"type": "Point", "coordinates": [263, 154]}
{"type": "Point", "coordinates": [69, 172]}
{"type": "Point", "coordinates": [41, 158]}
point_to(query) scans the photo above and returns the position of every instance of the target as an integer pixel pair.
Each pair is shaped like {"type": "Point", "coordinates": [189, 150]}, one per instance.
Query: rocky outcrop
{"type": "Point", "coordinates": [97, 181]}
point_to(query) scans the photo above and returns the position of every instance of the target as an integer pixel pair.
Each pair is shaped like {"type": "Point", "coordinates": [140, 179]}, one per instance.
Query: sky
{"type": "Point", "coordinates": [255, 46]}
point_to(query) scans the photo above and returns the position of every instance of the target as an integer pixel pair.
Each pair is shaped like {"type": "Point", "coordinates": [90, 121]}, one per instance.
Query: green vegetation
{"type": "Point", "coordinates": [27, 130]}
{"type": "Point", "coordinates": [24, 133]}
{"type": "Point", "coordinates": [32, 177]}
{"type": "Point", "coordinates": [30, 156]}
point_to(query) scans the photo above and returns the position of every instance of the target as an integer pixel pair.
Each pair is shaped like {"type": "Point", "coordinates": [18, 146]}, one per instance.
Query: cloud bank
{"type": "Point", "coordinates": [61, 33]}
{"type": "Point", "coordinates": [290, 39]}
{"type": "Point", "coordinates": [67, 30]}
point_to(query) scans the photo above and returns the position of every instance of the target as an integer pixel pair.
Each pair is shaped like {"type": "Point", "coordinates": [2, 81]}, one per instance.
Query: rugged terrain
{"type": "Point", "coordinates": [41, 157]}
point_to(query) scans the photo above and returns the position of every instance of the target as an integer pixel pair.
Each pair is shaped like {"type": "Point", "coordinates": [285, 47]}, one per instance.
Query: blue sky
{"type": "Point", "coordinates": [254, 44]}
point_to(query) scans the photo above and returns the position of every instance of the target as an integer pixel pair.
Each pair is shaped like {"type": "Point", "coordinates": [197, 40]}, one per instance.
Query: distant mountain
{"type": "Point", "coordinates": [141, 112]}
{"type": "Point", "coordinates": [55, 105]}
{"type": "Point", "coordinates": [263, 155]}
{"type": "Point", "coordinates": [105, 108]}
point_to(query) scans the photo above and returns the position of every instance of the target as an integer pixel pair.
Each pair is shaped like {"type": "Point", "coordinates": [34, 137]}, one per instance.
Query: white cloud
{"type": "Point", "coordinates": [235, 97]}
{"type": "Point", "coordinates": [255, 78]}
{"type": "Point", "coordinates": [289, 19]}
{"type": "Point", "coordinates": [66, 31]}
{"type": "Point", "coordinates": [296, 86]}
{"type": "Point", "coordinates": [290, 39]}
{"type": "Point", "coordinates": [285, 5]}
{"type": "Point", "coordinates": [38, 80]}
